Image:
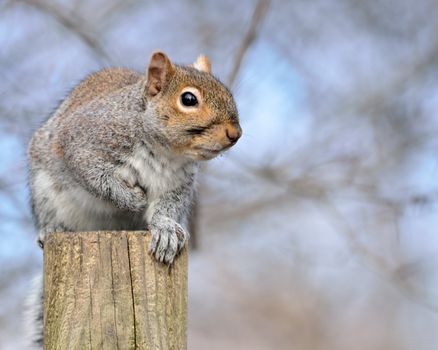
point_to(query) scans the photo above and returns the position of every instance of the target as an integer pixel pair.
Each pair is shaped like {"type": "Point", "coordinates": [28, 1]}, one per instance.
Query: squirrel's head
{"type": "Point", "coordinates": [196, 115]}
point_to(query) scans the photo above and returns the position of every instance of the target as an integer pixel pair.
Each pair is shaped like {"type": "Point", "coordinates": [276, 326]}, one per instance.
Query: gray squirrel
{"type": "Point", "coordinates": [122, 151]}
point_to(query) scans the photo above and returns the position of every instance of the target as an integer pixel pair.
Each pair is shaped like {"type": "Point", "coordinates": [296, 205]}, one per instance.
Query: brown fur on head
{"type": "Point", "coordinates": [197, 113]}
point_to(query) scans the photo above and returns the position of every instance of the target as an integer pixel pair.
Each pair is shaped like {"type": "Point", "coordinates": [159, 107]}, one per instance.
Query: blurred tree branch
{"type": "Point", "coordinates": [378, 263]}
{"type": "Point", "coordinates": [75, 24]}
{"type": "Point", "coordinates": [250, 36]}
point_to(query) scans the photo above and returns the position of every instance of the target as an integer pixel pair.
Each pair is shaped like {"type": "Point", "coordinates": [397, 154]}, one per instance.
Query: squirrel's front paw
{"type": "Point", "coordinates": [129, 198]}
{"type": "Point", "coordinates": [140, 195]}
{"type": "Point", "coordinates": [168, 238]}
{"type": "Point", "coordinates": [43, 232]}
{"type": "Point", "coordinates": [127, 192]}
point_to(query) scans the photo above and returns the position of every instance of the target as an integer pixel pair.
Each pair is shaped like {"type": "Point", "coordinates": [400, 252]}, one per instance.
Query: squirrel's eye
{"type": "Point", "coordinates": [188, 99]}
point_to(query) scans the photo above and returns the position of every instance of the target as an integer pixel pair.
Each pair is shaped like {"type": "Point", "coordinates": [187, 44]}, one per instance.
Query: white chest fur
{"type": "Point", "coordinates": [156, 173]}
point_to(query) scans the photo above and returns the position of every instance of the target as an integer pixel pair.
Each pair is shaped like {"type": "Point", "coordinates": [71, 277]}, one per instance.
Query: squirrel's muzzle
{"type": "Point", "coordinates": [233, 133]}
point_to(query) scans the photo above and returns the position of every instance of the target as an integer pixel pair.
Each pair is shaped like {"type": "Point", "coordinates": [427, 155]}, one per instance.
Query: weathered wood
{"type": "Point", "coordinates": [103, 290]}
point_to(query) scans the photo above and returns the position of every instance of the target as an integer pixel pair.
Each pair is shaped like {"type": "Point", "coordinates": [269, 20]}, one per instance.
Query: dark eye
{"type": "Point", "coordinates": [188, 99]}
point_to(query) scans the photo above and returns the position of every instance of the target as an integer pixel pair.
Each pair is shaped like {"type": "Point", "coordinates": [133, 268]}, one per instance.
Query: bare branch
{"type": "Point", "coordinates": [75, 24]}
{"type": "Point", "coordinates": [250, 36]}
{"type": "Point", "coordinates": [378, 264]}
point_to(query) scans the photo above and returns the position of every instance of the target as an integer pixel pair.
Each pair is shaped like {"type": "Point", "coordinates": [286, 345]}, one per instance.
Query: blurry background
{"type": "Point", "coordinates": [318, 230]}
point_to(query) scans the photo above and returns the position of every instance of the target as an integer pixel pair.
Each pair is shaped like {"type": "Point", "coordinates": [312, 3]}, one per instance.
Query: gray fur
{"type": "Point", "coordinates": [111, 175]}
{"type": "Point", "coordinates": [106, 160]}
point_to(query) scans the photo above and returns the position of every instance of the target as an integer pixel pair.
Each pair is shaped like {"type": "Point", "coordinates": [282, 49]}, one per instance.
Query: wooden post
{"type": "Point", "coordinates": [102, 290]}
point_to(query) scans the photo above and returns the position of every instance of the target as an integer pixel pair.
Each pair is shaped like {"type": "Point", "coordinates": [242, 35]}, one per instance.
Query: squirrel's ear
{"type": "Point", "coordinates": [159, 71]}
{"type": "Point", "coordinates": [202, 63]}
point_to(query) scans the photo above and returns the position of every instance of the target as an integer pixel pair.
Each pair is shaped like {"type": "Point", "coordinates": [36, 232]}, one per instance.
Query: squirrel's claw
{"type": "Point", "coordinates": [168, 238]}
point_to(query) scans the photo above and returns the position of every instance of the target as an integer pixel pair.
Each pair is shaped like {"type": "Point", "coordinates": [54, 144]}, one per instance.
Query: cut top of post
{"type": "Point", "coordinates": [103, 290]}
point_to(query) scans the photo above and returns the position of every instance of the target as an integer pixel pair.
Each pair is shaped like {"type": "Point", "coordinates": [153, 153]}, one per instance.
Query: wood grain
{"type": "Point", "coordinates": [102, 290]}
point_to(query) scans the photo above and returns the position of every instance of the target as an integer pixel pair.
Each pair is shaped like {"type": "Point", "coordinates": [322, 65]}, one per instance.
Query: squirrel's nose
{"type": "Point", "coordinates": [233, 133]}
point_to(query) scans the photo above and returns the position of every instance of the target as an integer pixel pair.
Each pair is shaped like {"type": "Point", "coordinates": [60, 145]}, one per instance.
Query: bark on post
{"type": "Point", "coordinates": [103, 290]}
